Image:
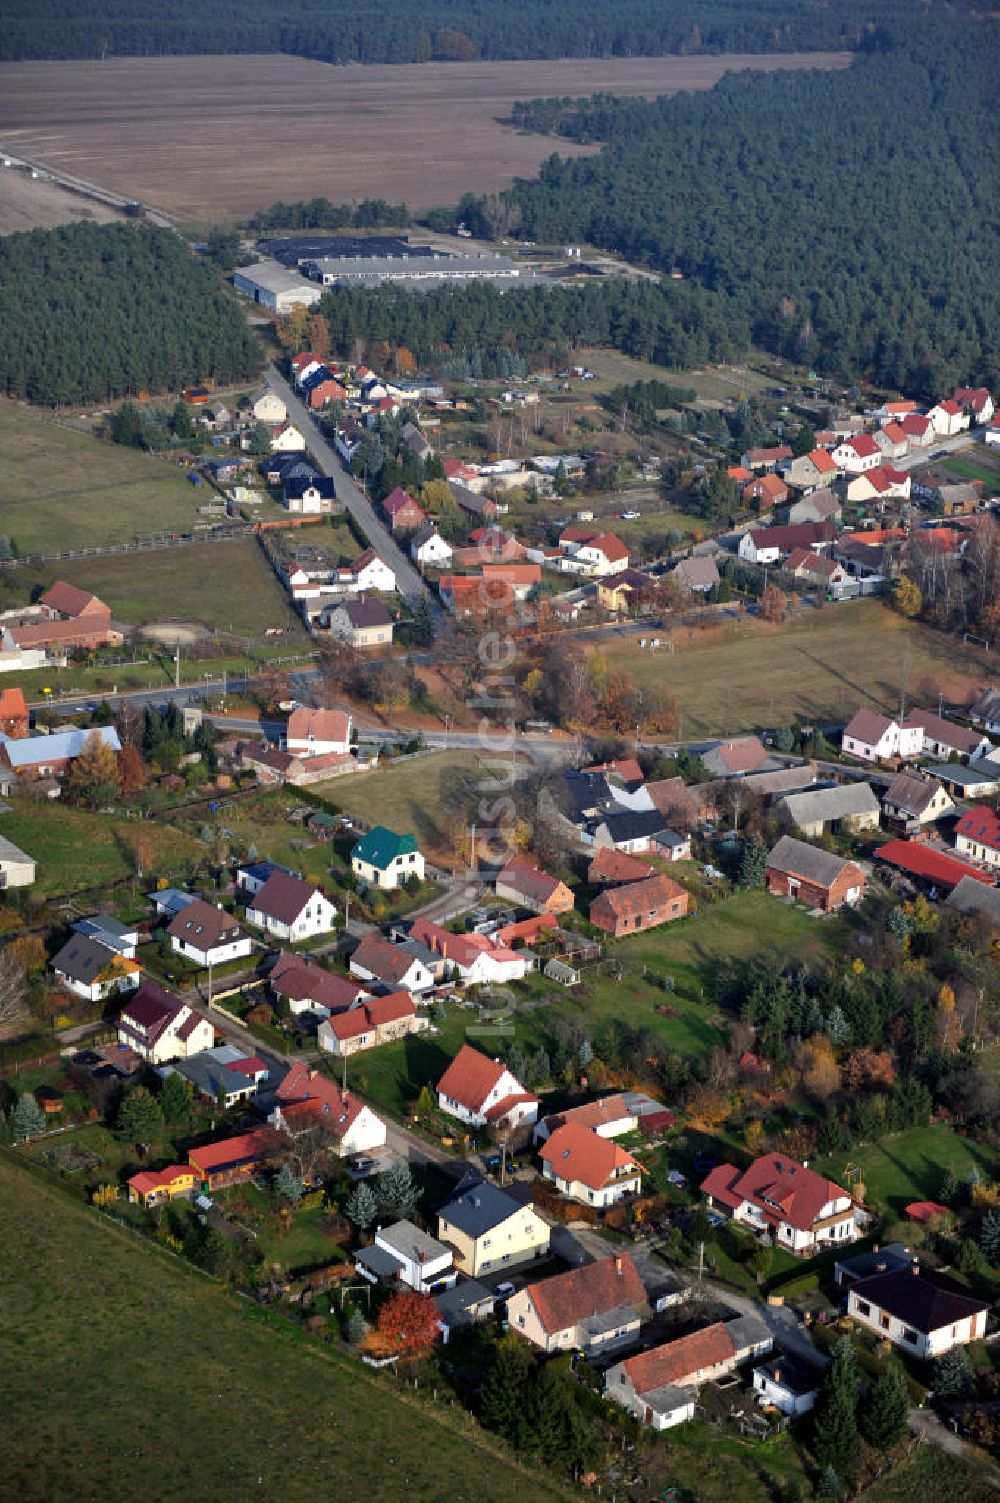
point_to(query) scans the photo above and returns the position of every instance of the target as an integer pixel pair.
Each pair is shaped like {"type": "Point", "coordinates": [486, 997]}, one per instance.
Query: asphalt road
{"type": "Point", "coordinates": [409, 582]}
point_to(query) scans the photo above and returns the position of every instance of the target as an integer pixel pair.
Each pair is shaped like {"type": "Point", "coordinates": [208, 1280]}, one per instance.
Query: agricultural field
{"type": "Point", "coordinates": [911, 1165]}
{"type": "Point", "coordinates": [172, 132]}
{"type": "Point", "coordinates": [226, 586]}
{"type": "Point", "coordinates": [823, 666]}
{"type": "Point", "coordinates": [64, 489]}
{"type": "Point", "coordinates": [77, 851]}
{"type": "Point", "coordinates": [148, 1336]}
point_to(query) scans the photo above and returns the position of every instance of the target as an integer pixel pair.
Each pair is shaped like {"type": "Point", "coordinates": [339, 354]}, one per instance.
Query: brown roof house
{"type": "Point", "coordinates": [291, 909]}
{"type": "Point", "coordinates": [591, 1309]}
{"type": "Point", "coordinates": [207, 935]}
{"type": "Point", "coordinates": [362, 623]}
{"type": "Point", "coordinates": [813, 876]}
{"type": "Point", "coordinates": [639, 905]}
{"type": "Point", "coordinates": [160, 1027]}
{"type": "Point", "coordinates": [64, 602]}
{"type": "Point", "coordinates": [611, 868]}
{"type": "Point", "coordinates": [402, 512]}
{"type": "Point", "coordinates": [520, 881]}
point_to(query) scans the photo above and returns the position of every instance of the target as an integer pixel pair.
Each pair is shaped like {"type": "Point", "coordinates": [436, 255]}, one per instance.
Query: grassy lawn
{"type": "Point", "coordinates": [228, 586]}
{"type": "Point", "coordinates": [76, 850]}
{"type": "Point", "coordinates": [826, 666]}
{"type": "Point", "coordinates": [972, 469]}
{"type": "Point", "coordinates": [65, 489]}
{"type": "Point", "coordinates": [690, 951]}
{"type": "Point", "coordinates": [911, 1165]}
{"type": "Point", "coordinates": [931, 1476]}
{"type": "Point", "coordinates": [716, 1466]}
{"type": "Point", "coordinates": [413, 795]}
{"type": "Point", "coordinates": [102, 1330]}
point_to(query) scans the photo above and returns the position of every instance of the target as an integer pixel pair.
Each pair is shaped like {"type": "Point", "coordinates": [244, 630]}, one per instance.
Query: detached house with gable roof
{"type": "Point", "coordinates": [797, 1208]}
{"type": "Point", "coordinates": [317, 732]}
{"type": "Point", "coordinates": [490, 1230]}
{"type": "Point", "coordinates": [476, 959]}
{"type": "Point", "coordinates": [858, 454]}
{"type": "Point", "coordinates": [589, 1168]}
{"type": "Point", "coordinates": [399, 967]}
{"type": "Point", "coordinates": [520, 881]}
{"type": "Point", "coordinates": [948, 418]}
{"type": "Point", "coordinates": [381, 858]}
{"type": "Point", "coordinates": [291, 909]}
{"type": "Point", "coordinates": [638, 906]}
{"type": "Point", "coordinates": [478, 1090]}
{"type": "Point", "coordinates": [813, 876]}
{"type": "Point", "coordinates": [207, 935]}
{"type": "Point", "coordinates": [872, 737]}
{"type": "Point", "coordinates": [592, 1309]}
{"type": "Point", "coordinates": [977, 835]}
{"type": "Point", "coordinates": [375, 1021]}
{"type": "Point", "coordinates": [159, 1027]}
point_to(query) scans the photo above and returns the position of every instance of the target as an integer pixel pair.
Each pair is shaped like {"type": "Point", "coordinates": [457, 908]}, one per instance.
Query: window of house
{"type": "Point", "coordinates": [885, 1322]}
{"type": "Point", "coordinates": [863, 1308]}
{"type": "Point", "coordinates": [910, 1336]}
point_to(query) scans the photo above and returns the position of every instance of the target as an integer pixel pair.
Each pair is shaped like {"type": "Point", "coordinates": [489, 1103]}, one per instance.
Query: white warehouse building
{"type": "Point", "coordinates": [276, 287]}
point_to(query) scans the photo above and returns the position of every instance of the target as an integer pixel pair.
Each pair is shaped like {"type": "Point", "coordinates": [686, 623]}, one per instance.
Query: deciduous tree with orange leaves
{"type": "Point", "coordinates": [407, 1322]}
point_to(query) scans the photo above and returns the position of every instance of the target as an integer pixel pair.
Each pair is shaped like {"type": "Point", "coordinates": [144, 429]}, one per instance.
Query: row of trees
{"type": "Point", "coordinates": [91, 312]}
{"type": "Point", "coordinates": [439, 30]}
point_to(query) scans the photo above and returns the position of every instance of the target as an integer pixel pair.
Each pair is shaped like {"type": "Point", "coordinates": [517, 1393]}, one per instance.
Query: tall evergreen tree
{"type": "Point", "coordinates": [835, 1426]}
{"type": "Point", "coordinates": [884, 1411]}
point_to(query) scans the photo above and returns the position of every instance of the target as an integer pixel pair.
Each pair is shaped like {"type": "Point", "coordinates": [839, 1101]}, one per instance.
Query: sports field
{"type": "Point", "coordinates": [822, 667]}
{"type": "Point", "coordinates": [209, 137]}
{"type": "Point", "coordinates": [126, 1375]}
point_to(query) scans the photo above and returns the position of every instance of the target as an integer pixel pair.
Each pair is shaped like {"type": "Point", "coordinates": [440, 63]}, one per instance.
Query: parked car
{"type": "Point", "coordinates": [630, 516]}
{"type": "Point", "coordinates": [505, 1290]}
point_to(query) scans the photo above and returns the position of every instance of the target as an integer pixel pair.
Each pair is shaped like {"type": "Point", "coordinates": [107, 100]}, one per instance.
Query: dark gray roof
{"type": "Point", "coordinates": [747, 1330]}
{"type": "Point", "coordinates": [923, 1301]}
{"type": "Point", "coordinates": [911, 793]}
{"type": "Point", "coordinates": [479, 1209]}
{"type": "Point", "coordinates": [83, 959]}
{"type": "Point", "coordinates": [799, 859]}
{"type": "Point", "coordinates": [466, 1296]}
{"type": "Point", "coordinates": [631, 825]}
{"type": "Point", "coordinates": [362, 613]}
{"type": "Point", "coordinates": [877, 1260]}
{"type": "Point", "coordinates": [793, 1374]}
{"type": "Point", "coordinates": [975, 898]}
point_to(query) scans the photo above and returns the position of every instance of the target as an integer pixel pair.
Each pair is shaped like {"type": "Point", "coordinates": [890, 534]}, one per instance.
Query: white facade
{"type": "Point", "coordinates": [846, 458]}
{"type": "Point", "coordinates": [947, 424]}
{"type": "Point", "coordinates": [433, 552]}
{"type": "Point", "coordinates": [424, 1264]}
{"type": "Point", "coordinates": [506, 1085]}
{"type": "Point", "coordinates": [168, 1044]}
{"type": "Point", "coordinates": [923, 1344]}
{"type": "Point", "coordinates": [756, 550]}
{"type": "Point", "coordinates": [407, 864]}
{"type": "Point", "coordinates": [316, 916]}
{"type": "Point", "coordinates": [287, 440]}
{"type": "Point", "coordinates": [235, 949]}
{"type": "Point", "coordinates": [978, 850]}
{"type": "Point", "coordinates": [311, 737]}
{"type": "Point", "coordinates": [596, 560]}
{"type": "Point", "coordinates": [375, 575]}
{"type": "Point", "coordinates": [417, 978]}
{"type": "Point", "coordinates": [269, 408]}
{"type": "Point", "coordinates": [623, 1182]}
{"type": "Point", "coordinates": [770, 1389]}
{"type": "Point", "coordinates": [895, 741]}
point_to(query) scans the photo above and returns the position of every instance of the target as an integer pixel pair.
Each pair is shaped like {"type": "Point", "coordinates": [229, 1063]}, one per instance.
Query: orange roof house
{"type": "Point", "coordinates": [638, 906]}
{"type": "Point", "coordinates": [523, 882]}
{"type": "Point", "coordinates": [586, 1167]}
{"type": "Point", "coordinates": [153, 1186]}
{"type": "Point", "coordinates": [13, 714]}
{"type": "Point", "coordinates": [70, 603]}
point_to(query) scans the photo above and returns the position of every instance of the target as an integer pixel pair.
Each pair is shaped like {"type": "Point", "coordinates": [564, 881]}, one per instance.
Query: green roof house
{"type": "Point", "coordinates": [384, 859]}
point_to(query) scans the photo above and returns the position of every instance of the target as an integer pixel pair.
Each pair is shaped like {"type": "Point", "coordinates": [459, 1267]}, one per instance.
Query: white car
{"type": "Point", "coordinates": [630, 516]}
{"type": "Point", "coordinates": [504, 1291]}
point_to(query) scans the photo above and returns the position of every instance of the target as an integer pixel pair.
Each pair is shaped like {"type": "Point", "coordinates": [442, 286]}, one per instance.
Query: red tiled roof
{"type": "Point", "coordinates": [70, 601]}
{"type": "Point", "coordinates": [513, 574]}
{"type": "Point", "coordinates": [627, 768]}
{"type": "Point", "coordinates": [895, 432]}
{"type": "Point", "coordinates": [158, 1179]}
{"type": "Point", "coordinates": [923, 1210]}
{"type": "Point", "coordinates": [13, 705]}
{"type": "Point", "coordinates": [320, 725]}
{"type": "Point", "coordinates": [376, 1012]}
{"type": "Point", "coordinates": [527, 930]}
{"type": "Point", "coordinates": [306, 1092]}
{"type": "Point", "coordinates": [563, 1301]}
{"type": "Point", "coordinates": [976, 397]}
{"type": "Point", "coordinates": [575, 1152]}
{"type": "Point", "coordinates": [229, 1153]}
{"type": "Point", "coordinates": [470, 1077]}
{"type": "Point", "coordinates": [592, 1114]}
{"type": "Point", "coordinates": [780, 1187]}
{"type": "Point", "coordinates": [506, 1104]}
{"type": "Point", "coordinates": [824, 461]}
{"type": "Point", "coordinates": [770, 486]}
{"type": "Point", "coordinates": [981, 824]}
{"type": "Point", "coordinates": [399, 500]}
{"type": "Point", "coordinates": [934, 866]}
{"type": "Point", "coordinates": [461, 948]}
{"type": "Point", "coordinates": [863, 445]}
{"type": "Point", "coordinates": [744, 754]}
{"type": "Point", "coordinates": [676, 1361]}
{"type": "Point", "coordinates": [949, 406]}
{"type": "Point", "coordinates": [613, 548]}
{"type": "Point", "coordinates": [382, 958]}
{"type": "Point", "coordinates": [640, 897]}
{"type": "Point", "coordinates": [610, 865]}
{"type": "Point", "coordinates": [914, 425]}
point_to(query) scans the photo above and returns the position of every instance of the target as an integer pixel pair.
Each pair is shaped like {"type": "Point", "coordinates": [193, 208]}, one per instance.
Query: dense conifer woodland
{"type": "Point", "coordinates": [400, 31]}
{"type": "Point", "coordinates": [846, 219]}
{"type": "Point", "coordinates": [90, 312]}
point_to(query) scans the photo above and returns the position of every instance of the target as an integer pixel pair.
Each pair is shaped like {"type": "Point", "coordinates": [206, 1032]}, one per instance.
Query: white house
{"type": "Point", "coordinates": [429, 549]}
{"type": "Point", "coordinates": [17, 868]}
{"type": "Point", "coordinates": [381, 858]}
{"type": "Point", "coordinates": [948, 418]}
{"type": "Point", "coordinates": [474, 958]}
{"type": "Point", "coordinates": [609, 1117]}
{"type": "Point", "coordinates": [978, 402]}
{"type": "Point", "coordinates": [290, 909]}
{"type": "Point", "coordinates": [799, 1209]}
{"type": "Point", "coordinates": [787, 1384]}
{"type": "Point", "coordinates": [317, 733]}
{"type": "Point", "coordinates": [477, 1090]}
{"type": "Point", "coordinates": [306, 1100]}
{"type": "Point", "coordinates": [857, 454]}
{"type": "Point", "coordinates": [403, 1253]}
{"type": "Point", "coordinates": [923, 1313]}
{"type": "Point", "coordinates": [208, 935]}
{"type": "Point", "coordinates": [378, 959]}
{"type": "Point", "coordinates": [872, 737]}
{"type": "Point", "coordinates": [269, 408]}
{"type": "Point", "coordinates": [93, 970]}
{"type": "Point", "coordinates": [977, 835]}
{"type": "Point", "coordinates": [368, 572]}
{"type": "Point", "coordinates": [594, 1308]}
{"type": "Point", "coordinates": [287, 439]}
{"type": "Point", "coordinates": [604, 554]}
{"type": "Point", "coordinates": [586, 1167]}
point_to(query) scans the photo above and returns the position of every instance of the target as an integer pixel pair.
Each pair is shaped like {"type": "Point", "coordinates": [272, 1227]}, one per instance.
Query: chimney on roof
{"type": "Point", "coordinates": [618, 1264]}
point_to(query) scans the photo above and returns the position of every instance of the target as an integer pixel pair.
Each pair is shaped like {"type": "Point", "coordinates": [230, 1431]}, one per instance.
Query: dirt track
{"type": "Point", "coordinates": [31, 205]}
{"type": "Point", "coordinates": [207, 137]}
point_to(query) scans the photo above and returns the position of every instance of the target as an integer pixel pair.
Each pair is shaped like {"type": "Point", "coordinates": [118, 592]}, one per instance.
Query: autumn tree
{"type": "Point", "coordinates": [292, 329]}
{"type": "Point", "coordinates": [820, 1072]}
{"type": "Point", "coordinates": [946, 1021]}
{"type": "Point", "coordinates": [773, 604]}
{"type": "Point", "coordinates": [318, 335]}
{"type": "Point", "coordinates": [132, 770]}
{"type": "Point", "coordinates": [28, 952]}
{"type": "Point", "coordinates": [94, 778]}
{"type": "Point", "coordinates": [408, 1322]}
{"type": "Point", "coordinates": [865, 1070]}
{"type": "Point", "coordinates": [405, 361]}
{"type": "Point", "coordinates": [12, 987]}
{"type": "Point", "coordinates": [907, 597]}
